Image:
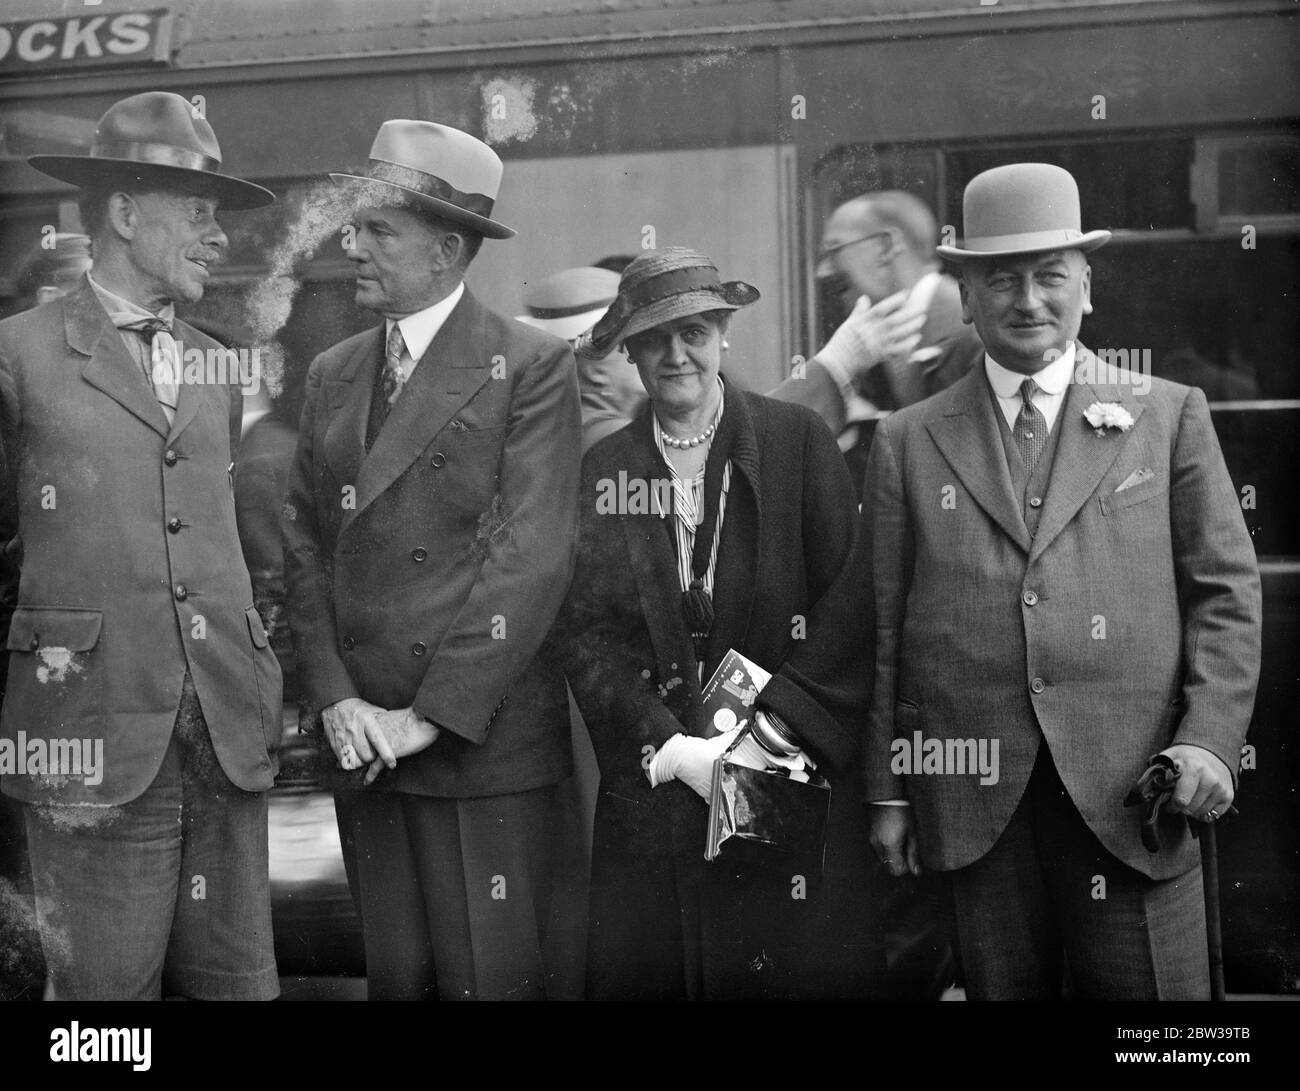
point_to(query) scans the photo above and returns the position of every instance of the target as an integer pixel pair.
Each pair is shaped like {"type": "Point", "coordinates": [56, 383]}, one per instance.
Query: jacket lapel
{"type": "Point", "coordinates": [189, 396]}
{"type": "Point", "coordinates": [110, 367]}
{"type": "Point", "coordinates": [452, 370]}
{"type": "Point", "coordinates": [968, 436]}
{"type": "Point", "coordinates": [347, 401]}
{"type": "Point", "coordinates": [1082, 457]}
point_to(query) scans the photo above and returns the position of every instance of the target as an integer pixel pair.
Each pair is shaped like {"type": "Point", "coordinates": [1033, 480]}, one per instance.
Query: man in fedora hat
{"type": "Point", "coordinates": [1063, 587]}
{"type": "Point", "coordinates": [568, 304]}
{"type": "Point", "coordinates": [429, 537]}
{"type": "Point", "coordinates": [137, 662]}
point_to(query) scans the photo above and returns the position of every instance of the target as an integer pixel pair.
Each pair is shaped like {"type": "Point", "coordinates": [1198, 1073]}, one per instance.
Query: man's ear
{"type": "Point", "coordinates": [123, 215]}
{"type": "Point", "coordinates": [1087, 289]}
{"type": "Point", "coordinates": [447, 251]}
{"type": "Point", "coordinates": [966, 315]}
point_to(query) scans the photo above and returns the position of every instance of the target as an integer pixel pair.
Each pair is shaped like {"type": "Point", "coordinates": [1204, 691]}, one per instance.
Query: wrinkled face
{"type": "Point", "coordinates": [679, 361]}
{"type": "Point", "coordinates": [176, 238]}
{"type": "Point", "coordinates": [852, 260]}
{"type": "Point", "coordinates": [1027, 309]}
{"type": "Point", "coordinates": [396, 261]}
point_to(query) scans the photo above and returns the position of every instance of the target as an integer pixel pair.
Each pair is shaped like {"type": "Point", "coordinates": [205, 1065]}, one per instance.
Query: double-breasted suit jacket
{"type": "Point", "coordinates": [1128, 622]}
{"type": "Point", "coordinates": [427, 572]}
{"type": "Point", "coordinates": [131, 570]}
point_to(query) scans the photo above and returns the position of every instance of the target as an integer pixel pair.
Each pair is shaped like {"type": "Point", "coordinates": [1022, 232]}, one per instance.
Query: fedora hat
{"type": "Point", "coordinates": [1022, 208]}
{"type": "Point", "coordinates": [440, 168]}
{"type": "Point", "coordinates": [660, 286]}
{"type": "Point", "coordinates": [154, 138]}
{"type": "Point", "coordinates": [568, 303]}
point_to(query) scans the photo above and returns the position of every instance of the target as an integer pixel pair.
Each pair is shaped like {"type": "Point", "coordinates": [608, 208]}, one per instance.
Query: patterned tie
{"type": "Point", "coordinates": [162, 367]}
{"type": "Point", "coordinates": [394, 377]}
{"type": "Point", "coordinates": [1031, 427]}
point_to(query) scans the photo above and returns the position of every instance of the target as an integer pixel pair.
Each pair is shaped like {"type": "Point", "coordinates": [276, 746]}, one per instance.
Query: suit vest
{"type": "Point", "coordinates": [1030, 489]}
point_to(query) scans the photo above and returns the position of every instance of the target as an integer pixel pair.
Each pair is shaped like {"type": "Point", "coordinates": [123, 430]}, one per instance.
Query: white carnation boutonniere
{"type": "Point", "coordinates": [1103, 415]}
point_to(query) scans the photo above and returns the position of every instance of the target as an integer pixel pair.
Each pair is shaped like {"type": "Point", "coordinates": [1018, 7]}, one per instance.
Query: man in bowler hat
{"type": "Point", "coordinates": [429, 543]}
{"type": "Point", "coordinates": [141, 689]}
{"type": "Point", "coordinates": [1063, 584]}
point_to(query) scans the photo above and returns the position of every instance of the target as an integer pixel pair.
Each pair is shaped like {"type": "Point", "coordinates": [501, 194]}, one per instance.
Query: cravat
{"type": "Point", "coordinates": [1031, 427]}
{"type": "Point", "coordinates": [162, 368]}
{"type": "Point", "coordinates": [394, 377]}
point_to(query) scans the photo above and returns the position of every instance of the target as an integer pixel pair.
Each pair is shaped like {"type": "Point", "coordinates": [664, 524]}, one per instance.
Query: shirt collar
{"type": "Point", "coordinates": [116, 305]}
{"type": "Point", "coordinates": [1053, 379]}
{"type": "Point", "coordinates": [419, 329]}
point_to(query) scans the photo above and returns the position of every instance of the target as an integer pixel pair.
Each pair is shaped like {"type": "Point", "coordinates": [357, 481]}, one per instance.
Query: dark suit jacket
{"type": "Point", "coordinates": [1142, 629]}
{"type": "Point", "coordinates": [93, 478]}
{"type": "Point", "coordinates": [427, 572]}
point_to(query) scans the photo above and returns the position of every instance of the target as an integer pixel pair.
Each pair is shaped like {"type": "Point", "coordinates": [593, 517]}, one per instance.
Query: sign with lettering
{"type": "Point", "coordinates": [36, 46]}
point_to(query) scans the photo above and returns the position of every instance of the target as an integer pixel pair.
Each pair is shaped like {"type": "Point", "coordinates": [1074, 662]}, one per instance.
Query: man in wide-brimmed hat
{"type": "Point", "coordinates": [429, 538]}
{"type": "Point", "coordinates": [138, 668]}
{"type": "Point", "coordinates": [1064, 586]}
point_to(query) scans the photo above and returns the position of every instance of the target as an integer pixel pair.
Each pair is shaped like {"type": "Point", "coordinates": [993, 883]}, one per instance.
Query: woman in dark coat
{"type": "Point", "coordinates": [759, 529]}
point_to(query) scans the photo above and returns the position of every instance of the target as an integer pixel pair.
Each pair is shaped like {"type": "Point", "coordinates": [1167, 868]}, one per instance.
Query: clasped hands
{"type": "Point", "coordinates": [888, 330]}
{"type": "Point", "coordinates": [362, 734]}
{"type": "Point", "coordinates": [690, 759]}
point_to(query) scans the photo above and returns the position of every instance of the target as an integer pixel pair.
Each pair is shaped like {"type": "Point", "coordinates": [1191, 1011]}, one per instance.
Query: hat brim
{"type": "Point", "coordinates": [489, 229]}
{"type": "Point", "coordinates": [1086, 242]}
{"type": "Point", "coordinates": [616, 328]}
{"type": "Point", "coordinates": [568, 328]}
{"type": "Point", "coordinates": [87, 170]}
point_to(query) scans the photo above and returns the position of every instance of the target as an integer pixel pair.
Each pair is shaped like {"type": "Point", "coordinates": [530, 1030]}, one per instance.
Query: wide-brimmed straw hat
{"type": "Point", "coordinates": [1022, 208]}
{"type": "Point", "coordinates": [660, 286]}
{"type": "Point", "coordinates": [439, 168]}
{"type": "Point", "coordinates": [569, 302]}
{"type": "Point", "coordinates": [154, 138]}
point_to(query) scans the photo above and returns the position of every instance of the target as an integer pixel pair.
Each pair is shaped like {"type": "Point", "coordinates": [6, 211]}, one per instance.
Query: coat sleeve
{"type": "Point", "coordinates": [526, 542]}
{"type": "Point", "coordinates": [821, 689]}
{"type": "Point", "coordinates": [817, 390]}
{"type": "Point", "coordinates": [308, 570]}
{"type": "Point", "coordinates": [1218, 590]}
{"type": "Point", "coordinates": [601, 636]}
{"type": "Point", "coordinates": [887, 560]}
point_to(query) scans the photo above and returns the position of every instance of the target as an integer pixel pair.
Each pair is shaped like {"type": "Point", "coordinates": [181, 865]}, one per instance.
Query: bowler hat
{"type": "Point", "coordinates": [660, 286]}
{"type": "Point", "coordinates": [154, 137]}
{"type": "Point", "coordinates": [1022, 208]}
{"type": "Point", "coordinates": [568, 303]}
{"type": "Point", "coordinates": [440, 168]}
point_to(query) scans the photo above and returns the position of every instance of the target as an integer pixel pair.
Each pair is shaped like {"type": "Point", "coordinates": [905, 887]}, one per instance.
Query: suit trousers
{"type": "Point", "coordinates": [455, 894]}
{"type": "Point", "coordinates": [167, 894]}
{"type": "Point", "coordinates": [1049, 912]}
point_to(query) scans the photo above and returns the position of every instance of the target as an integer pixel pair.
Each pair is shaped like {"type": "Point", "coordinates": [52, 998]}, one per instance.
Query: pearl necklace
{"type": "Point", "coordinates": [694, 441]}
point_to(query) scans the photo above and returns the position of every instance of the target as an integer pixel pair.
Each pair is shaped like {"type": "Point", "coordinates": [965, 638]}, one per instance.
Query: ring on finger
{"type": "Point", "coordinates": [1212, 815]}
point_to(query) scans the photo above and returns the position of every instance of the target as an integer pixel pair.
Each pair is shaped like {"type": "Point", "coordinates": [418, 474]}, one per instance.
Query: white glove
{"type": "Point", "coordinates": [690, 760]}
{"type": "Point", "coordinates": [870, 334]}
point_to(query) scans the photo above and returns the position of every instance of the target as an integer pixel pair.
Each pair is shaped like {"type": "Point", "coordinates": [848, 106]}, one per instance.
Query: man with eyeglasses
{"type": "Point", "coordinates": [903, 339]}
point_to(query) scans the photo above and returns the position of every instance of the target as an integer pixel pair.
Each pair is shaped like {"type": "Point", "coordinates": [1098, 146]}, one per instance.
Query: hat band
{"type": "Point", "coordinates": [673, 282]}
{"type": "Point", "coordinates": [158, 155]}
{"type": "Point", "coordinates": [1064, 238]}
{"type": "Point", "coordinates": [569, 312]}
{"type": "Point", "coordinates": [429, 185]}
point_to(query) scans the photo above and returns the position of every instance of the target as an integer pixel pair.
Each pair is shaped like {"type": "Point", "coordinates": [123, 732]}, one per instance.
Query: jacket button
{"type": "Point", "coordinates": [171, 458]}
{"type": "Point", "coordinates": [1037, 685]}
{"type": "Point", "coordinates": [438, 461]}
{"type": "Point", "coordinates": [348, 643]}
{"type": "Point", "coordinates": [174, 524]}
{"type": "Point", "coordinates": [419, 554]}
{"type": "Point", "coordinates": [35, 642]}
{"type": "Point", "coordinates": [1030, 598]}
{"type": "Point", "coordinates": [1035, 501]}
{"type": "Point", "coordinates": [418, 648]}
{"type": "Point", "coordinates": [181, 592]}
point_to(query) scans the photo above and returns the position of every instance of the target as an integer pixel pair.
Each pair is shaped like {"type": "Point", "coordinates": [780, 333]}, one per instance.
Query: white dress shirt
{"type": "Point", "coordinates": [419, 329]}
{"type": "Point", "coordinates": [1053, 381]}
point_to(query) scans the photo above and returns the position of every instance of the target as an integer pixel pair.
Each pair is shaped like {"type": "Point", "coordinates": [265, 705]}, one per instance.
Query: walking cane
{"type": "Point", "coordinates": [1154, 788]}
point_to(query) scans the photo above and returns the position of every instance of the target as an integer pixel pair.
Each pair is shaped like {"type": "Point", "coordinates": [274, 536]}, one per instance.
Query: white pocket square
{"type": "Point", "coordinates": [1136, 478]}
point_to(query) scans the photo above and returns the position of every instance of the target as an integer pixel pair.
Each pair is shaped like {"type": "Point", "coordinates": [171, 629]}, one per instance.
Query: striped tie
{"type": "Point", "coordinates": [1031, 427]}
{"type": "Point", "coordinates": [394, 377]}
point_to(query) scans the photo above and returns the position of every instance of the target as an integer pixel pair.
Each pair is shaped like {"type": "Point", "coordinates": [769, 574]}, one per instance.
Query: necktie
{"type": "Point", "coordinates": [394, 377]}
{"type": "Point", "coordinates": [1031, 426]}
{"type": "Point", "coordinates": [163, 364]}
